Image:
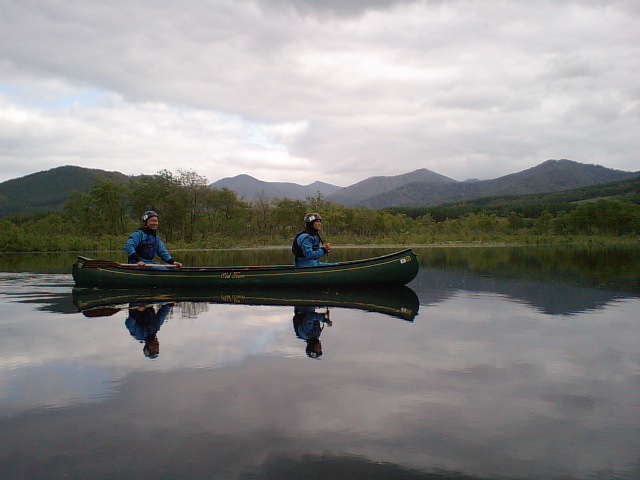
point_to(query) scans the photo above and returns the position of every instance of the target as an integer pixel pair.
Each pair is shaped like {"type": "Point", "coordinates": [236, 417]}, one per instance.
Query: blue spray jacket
{"type": "Point", "coordinates": [310, 246]}
{"type": "Point", "coordinates": [144, 245]}
{"type": "Point", "coordinates": [307, 322]}
{"type": "Point", "coordinates": [145, 324]}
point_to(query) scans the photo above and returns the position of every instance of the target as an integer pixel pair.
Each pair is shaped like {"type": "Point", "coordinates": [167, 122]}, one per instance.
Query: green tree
{"type": "Point", "coordinates": [194, 189]}
{"type": "Point", "coordinates": [163, 194]}
{"type": "Point", "coordinates": [225, 214]}
{"type": "Point", "coordinates": [542, 224]}
{"type": "Point", "coordinates": [262, 212]}
{"type": "Point", "coordinates": [109, 200]}
{"type": "Point", "coordinates": [288, 216]}
{"type": "Point", "coordinates": [79, 212]}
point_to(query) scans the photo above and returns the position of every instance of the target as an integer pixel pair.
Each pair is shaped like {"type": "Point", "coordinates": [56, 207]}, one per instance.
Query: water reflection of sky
{"type": "Point", "coordinates": [481, 384]}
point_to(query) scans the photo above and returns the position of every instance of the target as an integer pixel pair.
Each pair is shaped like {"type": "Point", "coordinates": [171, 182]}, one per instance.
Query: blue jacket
{"type": "Point", "coordinates": [143, 325]}
{"type": "Point", "coordinates": [308, 323]}
{"type": "Point", "coordinates": [310, 246]}
{"type": "Point", "coordinates": [145, 245]}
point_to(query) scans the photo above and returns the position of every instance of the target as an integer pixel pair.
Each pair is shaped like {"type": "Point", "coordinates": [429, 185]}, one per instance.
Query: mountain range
{"type": "Point", "coordinates": [48, 190]}
{"type": "Point", "coordinates": [549, 176]}
{"type": "Point", "coordinates": [425, 188]}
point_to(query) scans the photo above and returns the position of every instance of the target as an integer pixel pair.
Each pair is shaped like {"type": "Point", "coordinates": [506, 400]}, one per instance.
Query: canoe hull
{"type": "Point", "coordinates": [397, 268]}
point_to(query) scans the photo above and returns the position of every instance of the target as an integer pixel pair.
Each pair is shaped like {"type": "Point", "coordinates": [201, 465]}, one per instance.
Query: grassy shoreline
{"type": "Point", "coordinates": [114, 245]}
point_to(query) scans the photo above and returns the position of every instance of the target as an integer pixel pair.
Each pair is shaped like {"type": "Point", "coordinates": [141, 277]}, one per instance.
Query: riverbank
{"type": "Point", "coordinates": [114, 244]}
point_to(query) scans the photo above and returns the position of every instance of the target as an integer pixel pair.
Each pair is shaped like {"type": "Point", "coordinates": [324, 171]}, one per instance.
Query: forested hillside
{"type": "Point", "coordinates": [531, 206]}
{"type": "Point", "coordinates": [47, 191]}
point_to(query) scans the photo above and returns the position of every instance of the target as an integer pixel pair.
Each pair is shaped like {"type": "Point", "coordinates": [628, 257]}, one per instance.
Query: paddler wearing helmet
{"type": "Point", "coordinates": [144, 244]}
{"type": "Point", "coordinates": [307, 246]}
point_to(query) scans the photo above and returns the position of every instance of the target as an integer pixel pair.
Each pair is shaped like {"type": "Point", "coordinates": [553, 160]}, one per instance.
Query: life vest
{"type": "Point", "coordinates": [295, 247]}
{"type": "Point", "coordinates": [147, 249]}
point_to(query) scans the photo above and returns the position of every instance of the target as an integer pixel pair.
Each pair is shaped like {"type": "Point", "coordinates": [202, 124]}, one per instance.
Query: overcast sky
{"type": "Point", "coordinates": [305, 90]}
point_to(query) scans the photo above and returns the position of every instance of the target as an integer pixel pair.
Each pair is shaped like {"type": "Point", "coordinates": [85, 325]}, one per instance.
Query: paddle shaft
{"type": "Point", "coordinates": [89, 263]}
{"type": "Point", "coordinates": [149, 265]}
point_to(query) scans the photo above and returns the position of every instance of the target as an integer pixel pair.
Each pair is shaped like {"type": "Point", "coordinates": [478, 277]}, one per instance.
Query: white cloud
{"type": "Point", "coordinates": [347, 90]}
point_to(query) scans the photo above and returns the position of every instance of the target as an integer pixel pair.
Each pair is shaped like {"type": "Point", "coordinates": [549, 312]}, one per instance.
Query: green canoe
{"type": "Point", "coordinates": [397, 268]}
{"type": "Point", "coordinates": [398, 301]}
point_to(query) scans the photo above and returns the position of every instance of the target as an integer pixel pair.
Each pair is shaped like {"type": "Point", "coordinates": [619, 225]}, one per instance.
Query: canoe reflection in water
{"type": "Point", "coordinates": [144, 322]}
{"type": "Point", "coordinates": [308, 325]}
{"type": "Point", "coordinates": [395, 301]}
{"type": "Point", "coordinates": [149, 308]}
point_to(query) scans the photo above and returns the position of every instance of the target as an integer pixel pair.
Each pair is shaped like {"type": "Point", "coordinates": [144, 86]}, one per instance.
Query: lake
{"type": "Point", "coordinates": [502, 363]}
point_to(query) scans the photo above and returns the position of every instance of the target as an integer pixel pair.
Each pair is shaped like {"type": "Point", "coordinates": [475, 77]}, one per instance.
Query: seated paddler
{"type": "Point", "coordinates": [307, 246]}
{"type": "Point", "coordinates": [144, 244]}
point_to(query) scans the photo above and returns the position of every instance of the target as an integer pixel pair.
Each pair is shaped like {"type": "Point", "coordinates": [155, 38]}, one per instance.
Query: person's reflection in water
{"type": "Point", "coordinates": [144, 322]}
{"type": "Point", "coordinates": [308, 324]}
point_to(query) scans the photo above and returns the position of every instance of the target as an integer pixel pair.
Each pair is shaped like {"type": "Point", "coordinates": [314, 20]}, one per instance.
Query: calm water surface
{"type": "Point", "coordinates": [493, 363]}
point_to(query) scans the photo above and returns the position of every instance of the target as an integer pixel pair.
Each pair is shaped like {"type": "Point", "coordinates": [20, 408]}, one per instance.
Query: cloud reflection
{"type": "Point", "coordinates": [479, 385]}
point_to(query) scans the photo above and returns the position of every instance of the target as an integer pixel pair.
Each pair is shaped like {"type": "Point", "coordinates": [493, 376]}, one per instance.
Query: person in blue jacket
{"type": "Point", "coordinates": [307, 246]}
{"type": "Point", "coordinates": [144, 244]}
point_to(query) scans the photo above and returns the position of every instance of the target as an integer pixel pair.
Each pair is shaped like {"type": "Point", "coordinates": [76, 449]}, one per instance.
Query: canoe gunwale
{"type": "Point", "coordinates": [84, 262]}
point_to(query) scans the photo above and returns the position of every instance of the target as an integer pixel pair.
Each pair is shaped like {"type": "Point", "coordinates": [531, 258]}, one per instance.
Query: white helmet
{"type": "Point", "coordinates": [312, 217]}
{"type": "Point", "coordinates": [147, 215]}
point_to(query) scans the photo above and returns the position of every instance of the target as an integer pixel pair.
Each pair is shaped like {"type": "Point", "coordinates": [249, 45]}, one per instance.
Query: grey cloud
{"type": "Point", "coordinates": [345, 8]}
{"type": "Point", "coordinates": [477, 86]}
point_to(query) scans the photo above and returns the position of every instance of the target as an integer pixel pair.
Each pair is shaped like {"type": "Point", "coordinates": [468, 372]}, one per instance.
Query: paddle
{"type": "Point", "coordinates": [107, 311]}
{"type": "Point", "coordinates": [88, 263]}
{"type": "Point", "coordinates": [151, 265]}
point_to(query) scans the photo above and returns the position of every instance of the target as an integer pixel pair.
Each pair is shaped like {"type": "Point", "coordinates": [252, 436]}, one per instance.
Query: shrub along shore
{"type": "Point", "coordinates": [111, 243]}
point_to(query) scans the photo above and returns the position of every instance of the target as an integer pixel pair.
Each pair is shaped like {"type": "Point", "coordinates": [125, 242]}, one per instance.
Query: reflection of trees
{"type": "Point", "coordinates": [550, 296]}
{"type": "Point", "coordinates": [192, 309]}
{"type": "Point", "coordinates": [588, 265]}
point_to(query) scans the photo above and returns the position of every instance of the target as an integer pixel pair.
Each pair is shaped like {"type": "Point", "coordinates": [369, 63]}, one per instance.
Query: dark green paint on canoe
{"type": "Point", "coordinates": [397, 268]}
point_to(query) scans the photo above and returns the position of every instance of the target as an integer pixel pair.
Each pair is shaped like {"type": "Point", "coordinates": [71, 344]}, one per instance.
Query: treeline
{"type": "Point", "coordinates": [195, 216]}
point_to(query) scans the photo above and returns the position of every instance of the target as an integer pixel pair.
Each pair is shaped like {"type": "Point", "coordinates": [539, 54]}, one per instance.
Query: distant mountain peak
{"type": "Point", "coordinates": [249, 188]}
{"type": "Point", "coordinates": [360, 191]}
